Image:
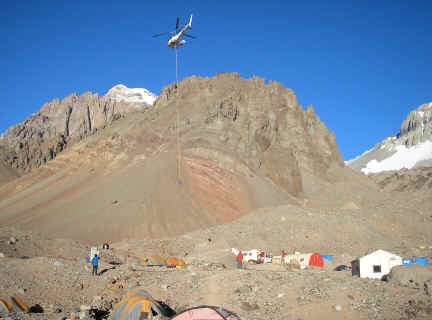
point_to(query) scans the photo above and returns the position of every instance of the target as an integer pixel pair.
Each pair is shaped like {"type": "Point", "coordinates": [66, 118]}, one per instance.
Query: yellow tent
{"type": "Point", "coordinates": [175, 262]}
{"type": "Point", "coordinates": [138, 304]}
{"type": "Point", "coordinates": [13, 304]}
{"type": "Point", "coordinates": [154, 261]}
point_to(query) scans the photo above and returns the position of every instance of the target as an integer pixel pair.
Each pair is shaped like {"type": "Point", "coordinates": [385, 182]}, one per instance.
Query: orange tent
{"type": "Point", "coordinates": [175, 262]}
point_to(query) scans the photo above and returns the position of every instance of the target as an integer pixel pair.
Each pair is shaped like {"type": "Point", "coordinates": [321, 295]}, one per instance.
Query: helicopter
{"type": "Point", "coordinates": [174, 41]}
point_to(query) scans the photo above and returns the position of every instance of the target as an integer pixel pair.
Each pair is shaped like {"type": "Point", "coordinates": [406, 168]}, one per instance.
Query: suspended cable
{"type": "Point", "coordinates": [178, 156]}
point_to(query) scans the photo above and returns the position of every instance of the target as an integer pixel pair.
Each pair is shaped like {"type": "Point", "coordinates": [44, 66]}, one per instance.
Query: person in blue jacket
{"type": "Point", "coordinates": [95, 263]}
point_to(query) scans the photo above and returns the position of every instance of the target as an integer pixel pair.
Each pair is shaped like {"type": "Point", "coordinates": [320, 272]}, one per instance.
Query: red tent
{"type": "Point", "coordinates": [316, 260]}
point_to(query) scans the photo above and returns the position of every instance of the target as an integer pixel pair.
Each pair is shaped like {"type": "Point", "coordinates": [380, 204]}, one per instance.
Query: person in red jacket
{"type": "Point", "coordinates": [240, 260]}
{"type": "Point", "coordinates": [283, 257]}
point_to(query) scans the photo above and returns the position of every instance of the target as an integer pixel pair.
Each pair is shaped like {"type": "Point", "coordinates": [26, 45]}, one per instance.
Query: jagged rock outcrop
{"type": "Point", "coordinates": [45, 133]}
{"type": "Point", "coordinates": [247, 123]}
{"type": "Point", "coordinates": [411, 148]}
{"type": "Point", "coordinates": [417, 127]}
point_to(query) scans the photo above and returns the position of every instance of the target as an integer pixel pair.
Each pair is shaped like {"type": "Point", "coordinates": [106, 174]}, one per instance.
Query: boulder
{"type": "Point", "coordinates": [417, 277]}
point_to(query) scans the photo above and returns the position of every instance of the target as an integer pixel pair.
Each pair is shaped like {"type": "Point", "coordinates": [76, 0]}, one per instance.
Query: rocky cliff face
{"type": "Point", "coordinates": [245, 123]}
{"type": "Point", "coordinates": [411, 148]}
{"type": "Point", "coordinates": [45, 133]}
{"type": "Point", "coordinates": [417, 127]}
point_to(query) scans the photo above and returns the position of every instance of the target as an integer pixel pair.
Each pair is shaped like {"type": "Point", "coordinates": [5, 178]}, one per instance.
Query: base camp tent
{"type": "Point", "coordinates": [152, 261]}
{"type": "Point", "coordinates": [375, 265]}
{"type": "Point", "coordinates": [137, 305]}
{"type": "Point", "coordinates": [316, 260]}
{"type": "Point", "coordinates": [207, 313]}
{"type": "Point", "coordinates": [13, 304]}
{"type": "Point", "coordinates": [175, 262]}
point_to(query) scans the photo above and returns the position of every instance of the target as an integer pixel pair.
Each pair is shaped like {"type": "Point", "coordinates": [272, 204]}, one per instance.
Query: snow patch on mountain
{"type": "Point", "coordinates": [134, 95]}
{"type": "Point", "coordinates": [411, 148]}
{"type": "Point", "coordinates": [403, 158]}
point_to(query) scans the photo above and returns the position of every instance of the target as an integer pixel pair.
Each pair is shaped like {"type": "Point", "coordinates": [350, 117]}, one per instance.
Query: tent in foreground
{"type": "Point", "coordinates": [206, 312]}
{"type": "Point", "coordinates": [13, 304]}
{"type": "Point", "coordinates": [137, 305]}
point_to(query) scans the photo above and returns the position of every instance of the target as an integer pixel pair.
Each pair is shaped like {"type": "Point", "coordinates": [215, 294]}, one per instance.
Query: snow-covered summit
{"type": "Point", "coordinates": [411, 148]}
{"type": "Point", "coordinates": [135, 95]}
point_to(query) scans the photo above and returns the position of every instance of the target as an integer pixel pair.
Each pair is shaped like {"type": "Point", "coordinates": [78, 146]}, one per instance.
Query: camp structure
{"type": "Point", "coordinates": [93, 251]}
{"type": "Point", "coordinates": [154, 261]}
{"type": "Point", "coordinates": [316, 260]}
{"type": "Point", "coordinates": [302, 259]}
{"type": "Point", "coordinates": [253, 256]}
{"type": "Point", "coordinates": [207, 313]}
{"type": "Point", "coordinates": [13, 304]}
{"type": "Point", "coordinates": [173, 262]}
{"type": "Point", "coordinates": [375, 265]}
{"type": "Point", "coordinates": [137, 305]}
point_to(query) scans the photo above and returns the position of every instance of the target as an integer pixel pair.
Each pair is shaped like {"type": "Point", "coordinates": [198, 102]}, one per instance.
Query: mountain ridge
{"type": "Point", "coordinates": [59, 122]}
{"type": "Point", "coordinates": [209, 151]}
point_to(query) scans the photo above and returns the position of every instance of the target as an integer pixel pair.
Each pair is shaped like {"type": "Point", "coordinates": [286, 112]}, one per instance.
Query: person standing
{"type": "Point", "coordinates": [240, 260]}
{"type": "Point", "coordinates": [95, 263]}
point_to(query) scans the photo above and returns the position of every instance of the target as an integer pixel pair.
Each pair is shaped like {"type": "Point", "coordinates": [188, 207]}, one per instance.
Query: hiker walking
{"type": "Point", "coordinates": [95, 263]}
{"type": "Point", "coordinates": [240, 260]}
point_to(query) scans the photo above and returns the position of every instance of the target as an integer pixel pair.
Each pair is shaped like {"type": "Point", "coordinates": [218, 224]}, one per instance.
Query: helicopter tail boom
{"type": "Point", "coordinates": [189, 25]}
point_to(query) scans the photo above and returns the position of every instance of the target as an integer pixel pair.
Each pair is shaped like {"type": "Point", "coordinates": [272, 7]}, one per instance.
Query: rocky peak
{"type": "Point", "coordinates": [45, 133]}
{"type": "Point", "coordinates": [259, 125]}
{"type": "Point", "coordinates": [410, 148]}
{"type": "Point", "coordinates": [417, 127]}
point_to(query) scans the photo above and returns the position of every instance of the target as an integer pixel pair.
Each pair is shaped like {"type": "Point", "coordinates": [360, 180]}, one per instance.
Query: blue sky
{"type": "Point", "coordinates": [364, 65]}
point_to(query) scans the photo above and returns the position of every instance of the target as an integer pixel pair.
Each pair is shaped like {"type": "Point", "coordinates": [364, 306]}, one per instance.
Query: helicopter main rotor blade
{"type": "Point", "coordinates": [160, 34]}
{"type": "Point", "coordinates": [177, 23]}
{"type": "Point", "coordinates": [189, 36]}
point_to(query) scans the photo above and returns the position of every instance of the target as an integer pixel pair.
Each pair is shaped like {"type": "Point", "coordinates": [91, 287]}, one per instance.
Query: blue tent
{"type": "Point", "coordinates": [415, 261]}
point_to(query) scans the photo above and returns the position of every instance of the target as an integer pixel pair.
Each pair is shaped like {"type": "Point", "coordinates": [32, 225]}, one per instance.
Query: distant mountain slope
{"type": "Point", "coordinates": [411, 148]}
{"type": "Point", "coordinates": [209, 151]}
{"type": "Point", "coordinates": [46, 133]}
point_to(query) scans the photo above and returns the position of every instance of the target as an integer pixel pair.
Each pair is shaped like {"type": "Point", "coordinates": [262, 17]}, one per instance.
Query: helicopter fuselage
{"type": "Point", "coordinates": [175, 40]}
